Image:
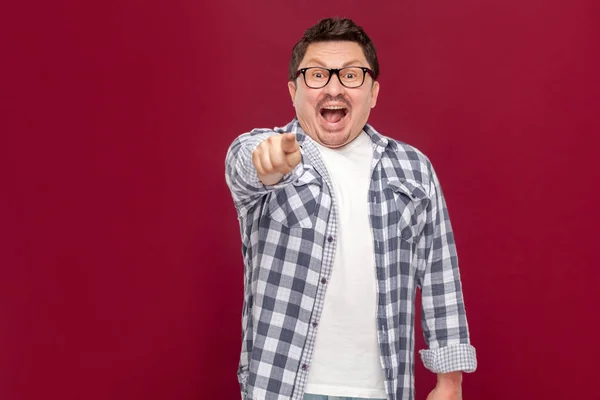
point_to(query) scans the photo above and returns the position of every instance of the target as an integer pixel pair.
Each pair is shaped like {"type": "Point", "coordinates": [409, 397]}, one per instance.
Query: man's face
{"type": "Point", "coordinates": [316, 108]}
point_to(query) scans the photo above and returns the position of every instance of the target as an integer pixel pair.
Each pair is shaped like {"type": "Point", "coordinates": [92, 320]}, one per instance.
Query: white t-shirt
{"type": "Point", "coordinates": [346, 358]}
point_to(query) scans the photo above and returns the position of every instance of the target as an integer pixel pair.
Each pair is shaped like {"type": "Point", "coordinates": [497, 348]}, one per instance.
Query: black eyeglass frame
{"type": "Point", "coordinates": [335, 71]}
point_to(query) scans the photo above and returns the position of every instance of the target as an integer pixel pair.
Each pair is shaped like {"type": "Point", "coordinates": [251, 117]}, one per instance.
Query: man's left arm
{"type": "Point", "coordinates": [444, 321]}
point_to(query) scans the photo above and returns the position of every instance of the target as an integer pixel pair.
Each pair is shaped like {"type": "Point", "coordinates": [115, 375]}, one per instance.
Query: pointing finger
{"type": "Point", "coordinates": [289, 144]}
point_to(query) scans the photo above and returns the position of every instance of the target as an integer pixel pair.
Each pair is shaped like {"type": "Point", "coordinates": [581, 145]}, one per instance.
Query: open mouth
{"type": "Point", "coordinates": [333, 114]}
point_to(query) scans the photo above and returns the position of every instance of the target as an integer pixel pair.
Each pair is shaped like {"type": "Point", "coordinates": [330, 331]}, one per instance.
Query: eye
{"type": "Point", "coordinates": [317, 73]}
{"type": "Point", "coordinates": [351, 74]}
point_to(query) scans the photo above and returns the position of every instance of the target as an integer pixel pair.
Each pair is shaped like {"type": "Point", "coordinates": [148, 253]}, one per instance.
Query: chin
{"type": "Point", "coordinates": [334, 138]}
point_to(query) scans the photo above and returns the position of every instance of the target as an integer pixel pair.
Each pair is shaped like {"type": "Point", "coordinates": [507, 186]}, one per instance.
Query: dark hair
{"type": "Point", "coordinates": [333, 29]}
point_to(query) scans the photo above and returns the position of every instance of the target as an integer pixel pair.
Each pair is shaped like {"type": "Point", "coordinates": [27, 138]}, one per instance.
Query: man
{"type": "Point", "coordinates": [340, 225]}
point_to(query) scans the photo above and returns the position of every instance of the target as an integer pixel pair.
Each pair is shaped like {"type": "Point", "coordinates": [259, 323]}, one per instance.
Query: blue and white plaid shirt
{"type": "Point", "coordinates": [289, 233]}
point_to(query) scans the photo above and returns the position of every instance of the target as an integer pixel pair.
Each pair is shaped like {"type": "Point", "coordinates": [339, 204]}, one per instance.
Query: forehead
{"type": "Point", "coordinates": [334, 54]}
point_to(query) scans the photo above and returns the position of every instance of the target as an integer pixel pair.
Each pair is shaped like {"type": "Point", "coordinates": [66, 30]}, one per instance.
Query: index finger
{"type": "Point", "coordinates": [289, 144]}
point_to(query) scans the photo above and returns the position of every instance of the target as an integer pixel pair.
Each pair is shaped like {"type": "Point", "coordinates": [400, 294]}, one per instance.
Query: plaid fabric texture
{"type": "Point", "coordinates": [289, 233]}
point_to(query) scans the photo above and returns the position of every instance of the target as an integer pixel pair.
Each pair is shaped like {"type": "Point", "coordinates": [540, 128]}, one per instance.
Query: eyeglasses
{"type": "Point", "coordinates": [319, 77]}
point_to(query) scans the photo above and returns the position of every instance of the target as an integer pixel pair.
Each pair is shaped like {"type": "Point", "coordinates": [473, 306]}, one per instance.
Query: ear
{"type": "Point", "coordinates": [292, 88]}
{"type": "Point", "coordinates": [374, 93]}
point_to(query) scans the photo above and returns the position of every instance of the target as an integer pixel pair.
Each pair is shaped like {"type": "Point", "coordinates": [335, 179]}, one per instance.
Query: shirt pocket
{"type": "Point", "coordinates": [295, 205]}
{"type": "Point", "coordinates": [411, 201]}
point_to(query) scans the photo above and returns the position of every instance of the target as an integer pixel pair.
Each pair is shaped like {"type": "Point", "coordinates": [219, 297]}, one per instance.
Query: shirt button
{"type": "Point", "coordinates": [315, 324]}
{"type": "Point", "coordinates": [323, 281]}
{"type": "Point", "coordinates": [330, 239]}
{"type": "Point", "coordinates": [304, 367]}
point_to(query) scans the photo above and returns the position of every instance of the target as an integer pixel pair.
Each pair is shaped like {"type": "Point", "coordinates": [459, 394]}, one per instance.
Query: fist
{"type": "Point", "coordinates": [276, 156]}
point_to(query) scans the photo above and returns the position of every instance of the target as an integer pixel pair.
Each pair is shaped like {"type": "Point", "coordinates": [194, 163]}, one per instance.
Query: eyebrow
{"type": "Point", "coordinates": [322, 64]}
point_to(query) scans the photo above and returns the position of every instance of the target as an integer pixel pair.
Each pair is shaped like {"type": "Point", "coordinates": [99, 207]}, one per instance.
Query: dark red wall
{"type": "Point", "coordinates": [120, 268]}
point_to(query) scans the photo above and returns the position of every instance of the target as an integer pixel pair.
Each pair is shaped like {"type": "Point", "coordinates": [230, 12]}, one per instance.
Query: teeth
{"type": "Point", "coordinates": [334, 108]}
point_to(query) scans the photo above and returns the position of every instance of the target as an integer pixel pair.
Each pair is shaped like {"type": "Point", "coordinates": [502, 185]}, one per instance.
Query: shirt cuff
{"type": "Point", "coordinates": [459, 357]}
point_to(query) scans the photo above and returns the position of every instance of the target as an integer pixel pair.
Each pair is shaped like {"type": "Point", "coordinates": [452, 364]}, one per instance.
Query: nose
{"type": "Point", "coordinates": [334, 87]}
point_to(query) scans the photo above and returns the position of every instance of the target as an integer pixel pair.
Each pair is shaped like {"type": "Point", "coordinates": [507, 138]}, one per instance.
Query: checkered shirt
{"type": "Point", "coordinates": [289, 233]}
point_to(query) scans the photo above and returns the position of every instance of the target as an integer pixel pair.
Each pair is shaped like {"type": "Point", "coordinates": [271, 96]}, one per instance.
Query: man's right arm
{"type": "Point", "coordinates": [258, 162]}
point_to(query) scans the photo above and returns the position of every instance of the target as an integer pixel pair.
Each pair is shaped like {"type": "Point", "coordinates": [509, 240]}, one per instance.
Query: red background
{"type": "Point", "coordinates": [121, 271]}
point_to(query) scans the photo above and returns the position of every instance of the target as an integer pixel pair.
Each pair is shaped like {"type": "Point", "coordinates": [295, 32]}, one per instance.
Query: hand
{"type": "Point", "coordinates": [445, 394]}
{"type": "Point", "coordinates": [276, 156]}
